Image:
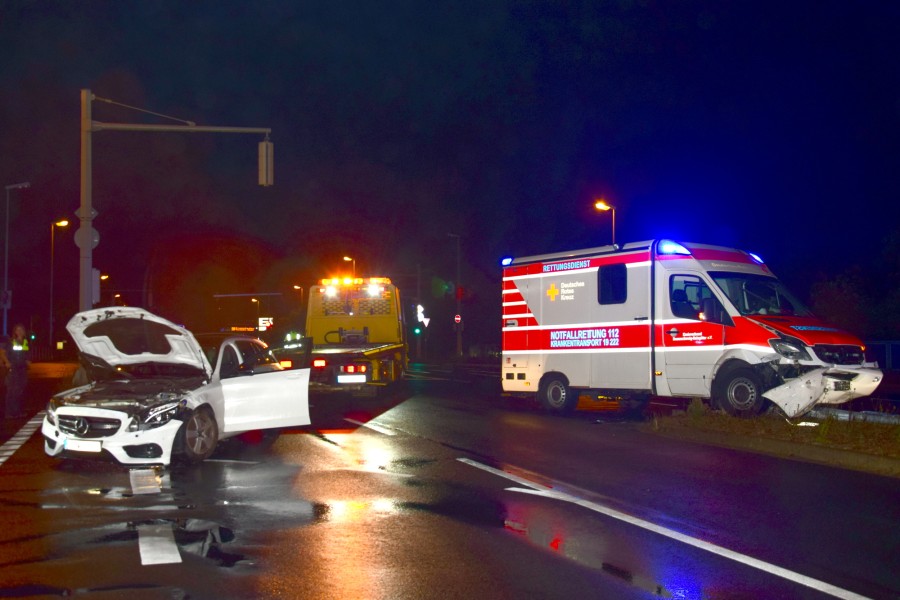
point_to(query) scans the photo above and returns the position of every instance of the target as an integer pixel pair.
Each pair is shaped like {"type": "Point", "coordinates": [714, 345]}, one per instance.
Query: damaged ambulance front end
{"type": "Point", "coordinates": [816, 364]}
{"type": "Point", "coordinates": [796, 361]}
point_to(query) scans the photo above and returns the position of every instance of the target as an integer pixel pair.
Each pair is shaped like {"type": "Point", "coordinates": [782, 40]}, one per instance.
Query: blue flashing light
{"type": "Point", "coordinates": [670, 247]}
{"type": "Point", "coordinates": [506, 261]}
{"type": "Point", "coordinates": [756, 257]}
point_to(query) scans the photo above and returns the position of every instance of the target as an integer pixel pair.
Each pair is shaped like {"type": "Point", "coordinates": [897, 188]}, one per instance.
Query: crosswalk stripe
{"type": "Point", "coordinates": [20, 437]}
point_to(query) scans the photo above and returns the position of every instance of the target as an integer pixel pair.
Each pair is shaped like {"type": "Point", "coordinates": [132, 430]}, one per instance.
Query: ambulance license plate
{"type": "Point", "coordinates": [82, 445]}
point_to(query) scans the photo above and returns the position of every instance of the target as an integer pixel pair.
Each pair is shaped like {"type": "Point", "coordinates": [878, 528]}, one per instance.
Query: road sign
{"type": "Point", "coordinates": [457, 319]}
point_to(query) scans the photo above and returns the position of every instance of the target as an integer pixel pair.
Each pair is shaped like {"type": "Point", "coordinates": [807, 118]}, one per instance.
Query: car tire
{"type": "Point", "coordinates": [740, 393]}
{"type": "Point", "coordinates": [199, 435]}
{"type": "Point", "coordinates": [555, 395]}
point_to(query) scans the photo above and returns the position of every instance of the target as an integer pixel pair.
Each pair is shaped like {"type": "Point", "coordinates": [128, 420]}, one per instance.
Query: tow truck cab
{"type": "Point", "coordinates": [358, 334]}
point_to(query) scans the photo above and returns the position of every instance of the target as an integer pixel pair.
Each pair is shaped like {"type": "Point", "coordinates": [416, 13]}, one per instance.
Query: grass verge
{"type": "Point", "coordinates": [798, 438]}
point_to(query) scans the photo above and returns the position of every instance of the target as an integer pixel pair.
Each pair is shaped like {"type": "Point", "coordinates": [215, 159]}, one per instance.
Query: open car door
{"type": "Point", "coordinates": [266, 400]}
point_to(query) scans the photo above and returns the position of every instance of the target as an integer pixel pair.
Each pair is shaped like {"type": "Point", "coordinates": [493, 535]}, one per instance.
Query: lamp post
{"type": "Point", "coordinates": [53, 226]}
{"type": "Point", "coordinates": [602, 205]}
{"type": "Point", "coordinates": [300, 288]}
{"type": "Point", "coordinates": [353, 260]}
{"type": "Point", "coordinates": [7, 299]}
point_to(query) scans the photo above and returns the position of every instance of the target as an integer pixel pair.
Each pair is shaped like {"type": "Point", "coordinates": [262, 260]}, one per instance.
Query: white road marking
{"type": "Point", "coordinates": [156, 542]}
{"type": "Point", "coordinates": [157, 545]}
{"type": "Point", "coordinates": [371, 426]}
{"type": "Point", "coordinates": [542, 490]}
{"type": "Point", "coordinates": [424, 377]}
{"type": "Point", "coordinates": [144, 481]}
{"type": "Point", "coordinates": [15, 442]}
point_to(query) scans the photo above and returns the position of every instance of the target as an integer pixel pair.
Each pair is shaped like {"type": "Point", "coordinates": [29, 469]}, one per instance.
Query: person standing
{"type": "Point", "coordinates": [17, 358]}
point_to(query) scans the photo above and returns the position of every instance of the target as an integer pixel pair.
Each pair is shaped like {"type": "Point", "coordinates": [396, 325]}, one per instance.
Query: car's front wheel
{"type": "Point", "coordinates": [199, 435]}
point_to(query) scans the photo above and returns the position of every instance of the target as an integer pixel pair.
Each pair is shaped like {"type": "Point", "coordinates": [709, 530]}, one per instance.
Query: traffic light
{"type": "Point", "coordinates": [420, 315]}
{"type": "Point", "coordinates": [266, 163]}
{"type": "Point", "coordinates": [417, 330]}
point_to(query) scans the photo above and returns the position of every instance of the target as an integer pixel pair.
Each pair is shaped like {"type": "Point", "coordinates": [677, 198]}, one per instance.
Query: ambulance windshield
{"type": "Point", "coordinates": [759, 295]}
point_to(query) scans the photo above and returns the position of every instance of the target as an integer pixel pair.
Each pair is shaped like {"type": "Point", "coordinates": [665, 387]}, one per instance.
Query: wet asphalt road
{"type": "Point", "coordinates": [448, 490]}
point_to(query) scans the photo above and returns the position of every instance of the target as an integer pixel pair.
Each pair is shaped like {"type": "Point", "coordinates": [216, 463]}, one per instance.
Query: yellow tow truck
{"type": "Point", "coordinates": [358, 335]}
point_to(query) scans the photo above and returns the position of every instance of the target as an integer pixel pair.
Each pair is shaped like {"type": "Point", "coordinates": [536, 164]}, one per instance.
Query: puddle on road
{"type": "Point", "coordinates": [32, 590]}
{"type": "Point", "coordinates": [595, 547]}
{"type": "Point", "coordinates": [464, 505]}
{"type": "Point", "coordinates": [412, 463]}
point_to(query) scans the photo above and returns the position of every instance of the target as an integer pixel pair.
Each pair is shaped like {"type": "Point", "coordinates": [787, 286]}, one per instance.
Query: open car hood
{"type": "Point", "coordinates": [126, 335]}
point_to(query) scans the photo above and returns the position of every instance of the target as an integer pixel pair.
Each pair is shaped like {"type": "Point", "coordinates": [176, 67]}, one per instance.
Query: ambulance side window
{"type": "Point", "coordinates": [691, 298]}
{"type": "Point", "coordinates": [612, 284]}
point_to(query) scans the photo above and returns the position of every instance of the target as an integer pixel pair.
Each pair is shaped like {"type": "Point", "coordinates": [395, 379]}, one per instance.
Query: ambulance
{"type": "Point", "coordinates": [662, 318]}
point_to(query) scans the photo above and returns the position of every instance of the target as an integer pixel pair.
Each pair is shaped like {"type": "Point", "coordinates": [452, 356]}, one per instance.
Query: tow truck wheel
{"type": "Point", "coordinates": [740, 394]}
{"type": "Point", "coordinates": [554, 395]}
{"type": "Point", "coordinates": [199, 435]}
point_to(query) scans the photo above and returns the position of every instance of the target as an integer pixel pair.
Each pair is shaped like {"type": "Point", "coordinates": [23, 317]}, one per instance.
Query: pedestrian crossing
{"type": "Point", "coordinates": [11, 445]}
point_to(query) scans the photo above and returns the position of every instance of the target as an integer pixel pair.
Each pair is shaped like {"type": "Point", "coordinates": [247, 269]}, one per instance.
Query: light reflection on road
{"type": "Point", "coordinates": [593, 544]}
{"type": "Point", "coordinates": [368, 453]}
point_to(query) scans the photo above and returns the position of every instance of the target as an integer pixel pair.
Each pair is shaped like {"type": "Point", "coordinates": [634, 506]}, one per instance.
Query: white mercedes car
{"type": "Point", "coordinates": [156, 391]}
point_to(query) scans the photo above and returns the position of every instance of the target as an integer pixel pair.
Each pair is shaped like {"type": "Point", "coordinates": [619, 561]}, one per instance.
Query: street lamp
{"type": "Point", "coordinates": [53, 226]}
{"type": "Point", "coordinates": [300, 287]}
{"type": "Point", "coordinates": [99, 291]}
{"type": "Point", "coordinates": [349, 259]}
{"type": "Point", "coordinates": [6, 296]}
{"type": "Point", "coordinates": [602, 205]}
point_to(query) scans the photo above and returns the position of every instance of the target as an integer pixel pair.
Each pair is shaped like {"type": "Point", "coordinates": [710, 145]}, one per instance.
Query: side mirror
{"type": "Point", "coordinates": [246, 369]}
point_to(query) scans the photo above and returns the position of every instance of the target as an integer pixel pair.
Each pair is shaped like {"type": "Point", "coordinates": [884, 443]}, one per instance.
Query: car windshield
{"type": "Point", "coordinates": [759, 295]}
{"type": "Point", "coordinates": [99, 370]}
{"type": "Point", "coordinates": [251, 352]}
{"type": "Point", "coordinates": [210, 347]}
{"type": "Point", "coordinates": [154, 370]}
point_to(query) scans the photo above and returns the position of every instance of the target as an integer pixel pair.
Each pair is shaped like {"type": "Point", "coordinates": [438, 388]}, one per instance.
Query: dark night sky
{"type": "Point", "coordinates": [768, 125]}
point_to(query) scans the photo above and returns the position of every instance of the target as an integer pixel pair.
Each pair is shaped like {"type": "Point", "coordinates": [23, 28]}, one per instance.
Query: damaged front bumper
{"type": "Point", "coordinates": [832, 385]}
{"type": "Point", "coordinates": [85, 431]}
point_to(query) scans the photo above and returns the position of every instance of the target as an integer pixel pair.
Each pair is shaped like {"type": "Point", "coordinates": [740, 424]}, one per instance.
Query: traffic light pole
{"type": "Point", "coordinates": [419, 301]}
{"type": "Point", "coordinates": [87, 237]}
{"type": "Point", "coordinates": [457, 293]}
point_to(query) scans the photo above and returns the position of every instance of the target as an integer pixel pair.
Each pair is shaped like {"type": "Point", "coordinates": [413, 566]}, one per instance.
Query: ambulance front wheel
{"type": "Point", "coordinates": [740, 394]}
{"type": "Point", "coordinates": [554, 395]}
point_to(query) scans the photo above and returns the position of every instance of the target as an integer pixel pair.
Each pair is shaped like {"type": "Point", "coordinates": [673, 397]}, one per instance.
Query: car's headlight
{"type": "Point", "coordinates": [52, 406]}
{"type": "Point", "coordinates": [790, 348]}
{"type": "Point", "coordinates": [155, 416]}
